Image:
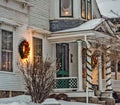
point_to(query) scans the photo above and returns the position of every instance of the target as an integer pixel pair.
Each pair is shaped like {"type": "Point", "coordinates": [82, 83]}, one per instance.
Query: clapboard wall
{"type": "Point", "coordinates": [39, 14]}
{"type": "Point", "coordinates": [12, 12]}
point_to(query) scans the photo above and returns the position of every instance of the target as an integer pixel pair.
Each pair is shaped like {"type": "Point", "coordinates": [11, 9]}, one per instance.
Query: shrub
{"type": "Point", "coordinates": [39, 78]}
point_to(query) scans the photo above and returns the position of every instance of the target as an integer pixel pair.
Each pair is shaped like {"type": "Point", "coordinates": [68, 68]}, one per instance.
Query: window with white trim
{"type": "Point", "coordinates": [37, 48]}
{"type": "Point", "coordinates": [89, 10]}
{"type": "Point", "coordinates": [7, 51]}
{"type": "Point", "coordinates": [66, 8]}
{"type": "Point", "coordinates": [86, 9]}
{"type": "Point", "coordinates": [83, 9]}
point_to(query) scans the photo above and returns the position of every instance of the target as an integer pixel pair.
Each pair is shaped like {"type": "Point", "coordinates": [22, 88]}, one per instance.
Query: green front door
{"type": "Point", "coordinates": [62, 55]}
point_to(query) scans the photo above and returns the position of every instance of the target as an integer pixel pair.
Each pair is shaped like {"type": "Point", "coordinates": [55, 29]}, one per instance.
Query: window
{"type": "Point", "coordinates": [86, 9]}
{"type": "Point", "coordinates": [66, 8]}
{"type": "Point", "coordinates": [37, 48]}
{"type": "Point", "coordinates": [89, 10]}
{"type": "Point", "coordinates": [83, 9]}
{"type": "Point", "coordinates": [7, 51]}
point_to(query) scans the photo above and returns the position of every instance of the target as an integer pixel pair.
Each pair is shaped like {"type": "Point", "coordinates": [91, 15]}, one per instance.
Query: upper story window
{"type": "Point", "coordinates": [7, 51]}
{"type": "Point", "coordinates": [66, 8]}
{"type": "Point", "coordinates": [83, 9]}
{"type": "Point", "coordinates": [89, 10]}
{"type": "Point", "coordinates": [86, 9]}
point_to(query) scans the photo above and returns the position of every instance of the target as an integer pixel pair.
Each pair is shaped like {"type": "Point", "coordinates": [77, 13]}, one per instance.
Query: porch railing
{"type": "Point", "coordinates": [70, 83]}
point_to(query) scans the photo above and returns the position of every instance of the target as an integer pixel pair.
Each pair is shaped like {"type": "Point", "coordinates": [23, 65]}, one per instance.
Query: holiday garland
{"type": "Point", "coordinates": [24, 49]}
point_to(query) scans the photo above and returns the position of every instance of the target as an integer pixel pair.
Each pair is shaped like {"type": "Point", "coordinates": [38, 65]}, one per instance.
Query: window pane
{"type": "Point", "coordinates": [37, 47]}
{"type": "Point", "coordinates": [83, 9]}
{"type": "Point", "coordinates": [89, 10]}
{"type": "Point", "coordinates": [66, 8]}
{"type": "Point", "coordinates": [6, 61]}
{"type": "Point", "coordinates": [7, 40]}
{"type": "Point", "coordinates": [7, 50]}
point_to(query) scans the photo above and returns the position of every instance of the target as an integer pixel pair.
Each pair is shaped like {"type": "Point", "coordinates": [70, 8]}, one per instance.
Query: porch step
{"type": "Point", "coordinates": [75, 93]}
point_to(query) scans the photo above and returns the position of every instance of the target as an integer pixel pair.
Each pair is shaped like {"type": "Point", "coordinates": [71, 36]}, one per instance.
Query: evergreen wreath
{"type": "Point", "coordinates": [24, 49]}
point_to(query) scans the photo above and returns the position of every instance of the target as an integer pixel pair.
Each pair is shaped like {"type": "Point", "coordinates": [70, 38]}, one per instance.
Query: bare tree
{"type": "Point", "coordinates": [39, 78]}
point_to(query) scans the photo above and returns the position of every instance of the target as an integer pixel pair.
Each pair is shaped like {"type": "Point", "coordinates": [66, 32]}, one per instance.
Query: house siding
{"type": "Point", "coordinates": [14, 12]}
{"type": "Point", "coordinates": [39, 14]}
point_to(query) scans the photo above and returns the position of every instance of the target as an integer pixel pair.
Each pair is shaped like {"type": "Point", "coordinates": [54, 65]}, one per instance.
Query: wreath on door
{"type": "Point", "coordinates": [24, 49]}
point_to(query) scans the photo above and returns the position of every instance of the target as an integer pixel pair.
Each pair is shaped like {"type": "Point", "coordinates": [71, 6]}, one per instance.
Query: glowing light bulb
{"type": "Point", "coordinates": [66, 13]}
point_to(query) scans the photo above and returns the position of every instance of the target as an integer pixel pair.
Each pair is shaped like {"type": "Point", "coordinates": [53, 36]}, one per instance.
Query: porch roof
{"type": "Point", "coordinates": [85, 30]}
{"type": "Point", "coordinates": [73, 36]}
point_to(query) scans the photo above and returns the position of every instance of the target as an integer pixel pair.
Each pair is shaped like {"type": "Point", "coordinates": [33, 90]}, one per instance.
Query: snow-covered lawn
{"type": "Point", "coordinates": [26, 100]}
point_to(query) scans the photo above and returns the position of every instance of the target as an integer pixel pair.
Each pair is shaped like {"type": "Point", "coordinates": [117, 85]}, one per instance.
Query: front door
{"type": "Point", "coordinates": [62, 55]}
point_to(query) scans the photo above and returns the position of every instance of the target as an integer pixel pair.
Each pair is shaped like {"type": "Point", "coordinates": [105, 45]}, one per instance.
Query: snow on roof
{"type": "Point", "coordinates": [109, 8]}
{"type": "Point", "coordinates": [89, 25]}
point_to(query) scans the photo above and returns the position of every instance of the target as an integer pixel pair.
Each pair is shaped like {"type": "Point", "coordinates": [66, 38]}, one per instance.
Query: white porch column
{"type": "Point", "coordinates": [80, 81]}
{"type": "Point", "coordinates": [100, 71]}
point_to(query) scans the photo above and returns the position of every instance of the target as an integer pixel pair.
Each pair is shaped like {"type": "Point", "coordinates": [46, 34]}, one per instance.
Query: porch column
{"type": "Point", "coordinates": [89, 69]}
{"type": "Point", "coordinates": [100, 71]}
{"type": "Point", "coordinates": [80, 81]}
{"type": "Point", "coordinates": [108, 71]}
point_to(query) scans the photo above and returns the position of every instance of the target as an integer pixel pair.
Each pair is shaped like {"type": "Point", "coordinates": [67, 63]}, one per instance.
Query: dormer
{"type": "Point", "coordinates": [71, 9]}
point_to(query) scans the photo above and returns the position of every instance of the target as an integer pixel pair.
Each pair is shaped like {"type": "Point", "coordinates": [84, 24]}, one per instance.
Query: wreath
{"type": "Point", "coordinates": [24, 49]}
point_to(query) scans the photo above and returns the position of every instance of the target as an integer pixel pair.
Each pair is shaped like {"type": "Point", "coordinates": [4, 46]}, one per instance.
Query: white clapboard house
{"type": "Point", "coordinates": [78, 32]}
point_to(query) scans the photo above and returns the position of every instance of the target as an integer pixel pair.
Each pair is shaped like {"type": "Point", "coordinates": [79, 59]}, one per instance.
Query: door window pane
{"type": "Point", "coordinates": [62, 55]}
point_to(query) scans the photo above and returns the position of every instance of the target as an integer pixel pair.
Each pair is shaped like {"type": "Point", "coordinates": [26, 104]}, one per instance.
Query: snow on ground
{"type": "Point", "coordinates": [26, 100]}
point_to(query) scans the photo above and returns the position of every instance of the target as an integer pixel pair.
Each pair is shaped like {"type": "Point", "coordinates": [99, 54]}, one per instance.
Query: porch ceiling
{"type": "Point", "coordinates": [73, 36]}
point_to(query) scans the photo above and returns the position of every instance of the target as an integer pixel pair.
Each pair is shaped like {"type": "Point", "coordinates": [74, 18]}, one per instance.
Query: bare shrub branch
{"type": "Point", "coordinates": [39, 78]}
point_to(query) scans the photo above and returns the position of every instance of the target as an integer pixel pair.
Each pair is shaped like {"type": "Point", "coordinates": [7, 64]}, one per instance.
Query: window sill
{"type": "Point", "coordinates": [7, 72]}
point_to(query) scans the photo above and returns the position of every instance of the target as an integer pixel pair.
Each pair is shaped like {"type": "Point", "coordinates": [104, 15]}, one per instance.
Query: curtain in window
{"type": "Point", "coordinates": [66, 7]}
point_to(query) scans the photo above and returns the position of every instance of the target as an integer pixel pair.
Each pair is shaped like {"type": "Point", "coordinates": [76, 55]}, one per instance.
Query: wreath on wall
{"type": "Point", "coordinates": [24, 49]}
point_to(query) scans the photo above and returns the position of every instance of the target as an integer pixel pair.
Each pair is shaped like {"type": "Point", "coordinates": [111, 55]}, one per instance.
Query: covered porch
{"type": "Point", "coordinates": [71, 45]}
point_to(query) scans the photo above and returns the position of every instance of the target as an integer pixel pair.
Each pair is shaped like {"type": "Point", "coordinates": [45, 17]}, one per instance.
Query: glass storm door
{"type": "Point", "coordinates": [62, 55]}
